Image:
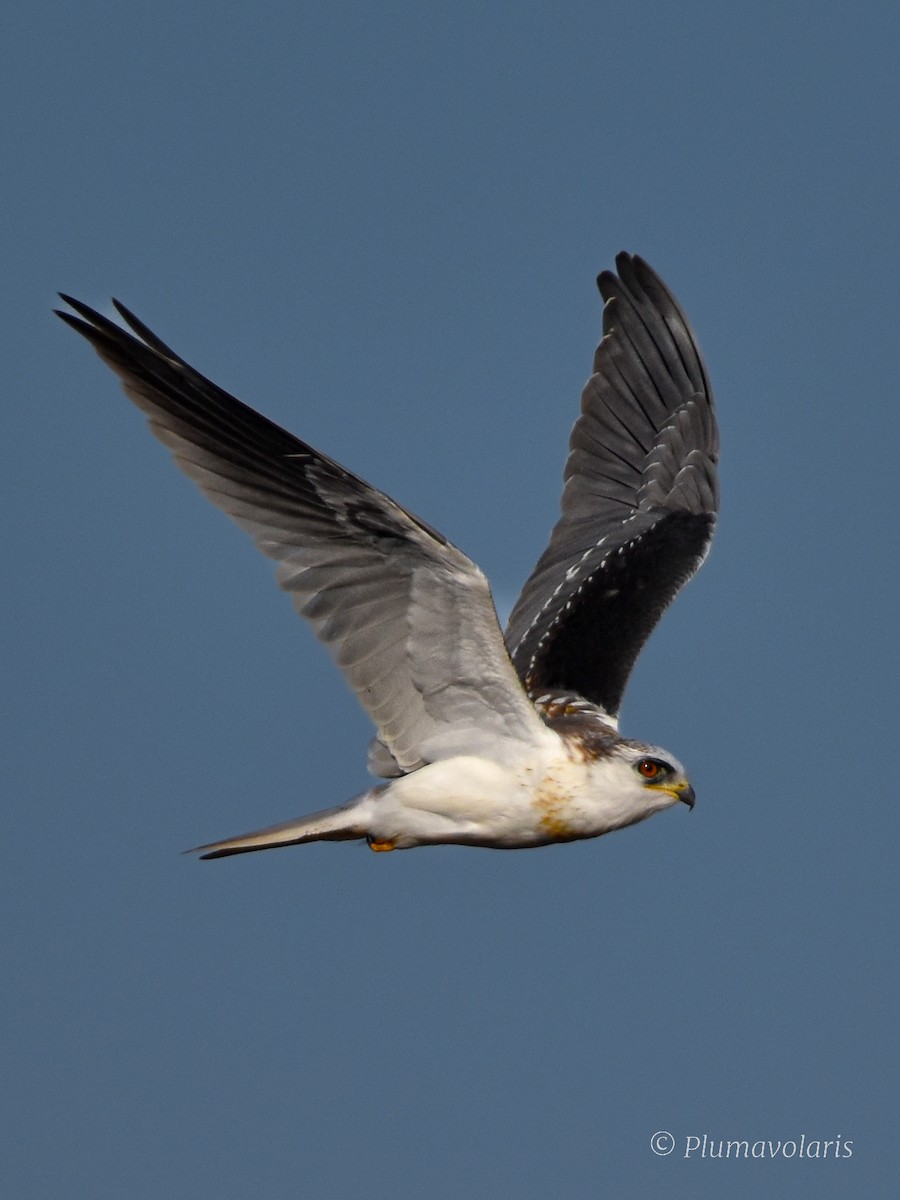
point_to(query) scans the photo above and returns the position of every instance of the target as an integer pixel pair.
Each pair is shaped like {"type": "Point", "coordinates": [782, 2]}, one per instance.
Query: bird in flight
{"type": "Point", "coordinates": [483, 739]}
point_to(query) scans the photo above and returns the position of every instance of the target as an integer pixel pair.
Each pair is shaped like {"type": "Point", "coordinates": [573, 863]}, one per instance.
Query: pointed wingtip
{"type": "Point", "coordinates": [627, 264]}
{"type": "Point", "coordinates": [68, 317]}
{"type": "Point", "coordinates": [83, 310]}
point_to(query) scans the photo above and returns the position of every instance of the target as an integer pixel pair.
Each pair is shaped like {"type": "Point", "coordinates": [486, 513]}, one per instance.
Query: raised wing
{"type": "Point", "coordinates": [639, 502]}
{"type": "Point", "coordinates": [407, 616]}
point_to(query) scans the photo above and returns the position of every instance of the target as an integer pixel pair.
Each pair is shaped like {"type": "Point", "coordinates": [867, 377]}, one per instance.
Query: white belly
{"type": "Point", "coordinates": [548, 797]}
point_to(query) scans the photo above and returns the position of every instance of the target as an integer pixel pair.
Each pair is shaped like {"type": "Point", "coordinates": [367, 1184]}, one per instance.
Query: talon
{"type": "Point", "coordinates": [379, 844]}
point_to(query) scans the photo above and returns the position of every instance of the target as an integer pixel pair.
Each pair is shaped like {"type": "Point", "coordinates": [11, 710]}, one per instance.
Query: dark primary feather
{"type": "Point", "coordinates": [639, 502]}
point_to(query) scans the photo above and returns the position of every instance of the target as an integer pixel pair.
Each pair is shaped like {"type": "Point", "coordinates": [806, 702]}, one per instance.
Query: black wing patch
{"type": "Point", "coordinates": [606, 621]}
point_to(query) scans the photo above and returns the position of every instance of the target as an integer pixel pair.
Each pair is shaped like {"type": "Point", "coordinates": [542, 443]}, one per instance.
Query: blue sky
{"type": "Point", "coordinates": [381, 224]}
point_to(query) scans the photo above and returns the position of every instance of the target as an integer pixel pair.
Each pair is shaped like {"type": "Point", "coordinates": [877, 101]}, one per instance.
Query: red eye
{"type": "Point", "coordinates": [649, 769]}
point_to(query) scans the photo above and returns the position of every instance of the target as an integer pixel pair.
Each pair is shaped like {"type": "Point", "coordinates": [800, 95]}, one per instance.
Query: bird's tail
{"type": "Point", "coordinates": [342, 824]}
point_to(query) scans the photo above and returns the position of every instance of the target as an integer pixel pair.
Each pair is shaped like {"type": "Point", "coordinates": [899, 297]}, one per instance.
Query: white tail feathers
{"type": "Point", "coordinates": [330, 825]}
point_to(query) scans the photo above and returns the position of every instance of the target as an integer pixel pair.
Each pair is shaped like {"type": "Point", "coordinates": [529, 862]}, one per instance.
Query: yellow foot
{"type": "Point", "coordinates": [379, 844]}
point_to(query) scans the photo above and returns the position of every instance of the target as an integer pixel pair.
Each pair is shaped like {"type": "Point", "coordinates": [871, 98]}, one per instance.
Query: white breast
{"type": "Point", "coordinates": [551, 795]}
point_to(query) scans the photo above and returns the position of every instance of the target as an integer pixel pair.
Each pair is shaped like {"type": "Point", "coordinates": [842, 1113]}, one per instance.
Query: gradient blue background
{"type": "Point", "coordinates": [381, 225]}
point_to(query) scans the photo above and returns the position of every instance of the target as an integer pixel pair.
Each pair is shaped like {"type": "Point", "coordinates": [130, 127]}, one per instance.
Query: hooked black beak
{"type": "Point", "coordinates": [686, 794]}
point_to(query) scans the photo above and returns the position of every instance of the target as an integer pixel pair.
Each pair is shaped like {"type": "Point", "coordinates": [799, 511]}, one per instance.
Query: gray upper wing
{"type": "Point", "coordinates": [407, 616]}
{"type": "Point", "coordinates": [639, 502]}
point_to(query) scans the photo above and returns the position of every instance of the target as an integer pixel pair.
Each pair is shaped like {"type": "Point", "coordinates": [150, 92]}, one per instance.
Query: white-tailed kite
{"type": "Point", "coordinates": [481, 740]}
